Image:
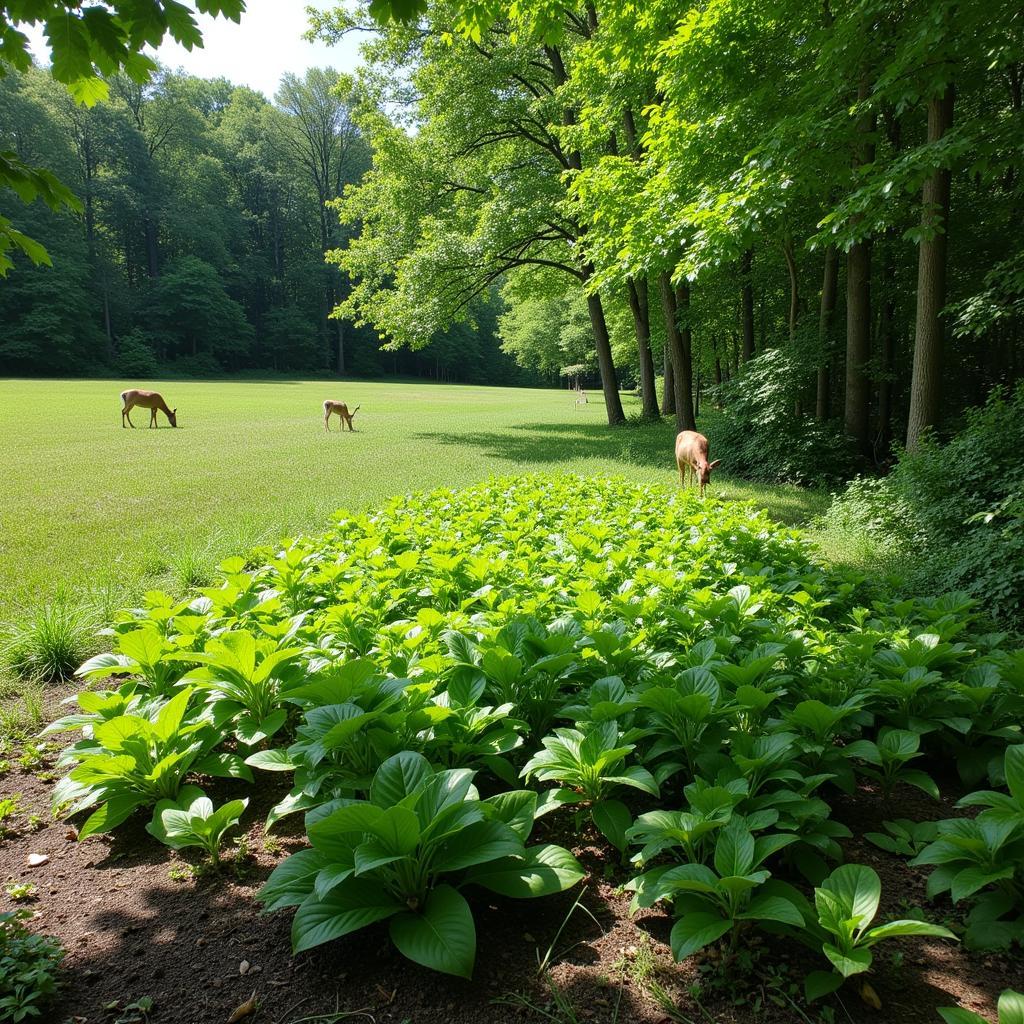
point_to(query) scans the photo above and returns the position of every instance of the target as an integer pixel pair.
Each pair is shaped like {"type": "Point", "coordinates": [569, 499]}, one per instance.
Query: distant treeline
{"type": "Point", "coordinates": [200, 248]}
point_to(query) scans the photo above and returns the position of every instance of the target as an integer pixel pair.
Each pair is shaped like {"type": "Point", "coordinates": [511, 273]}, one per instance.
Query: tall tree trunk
{"type": "Point", "coordinates": [826, 315]}
{"type": "Point", "coordinates": [858, 307]}
{"type": "Point", "coordinates": [682, 297]}
{"type": "Point", "coordinates": [681, 369]}
{"type": "Point", "coordinates": [152, 252]}
{"type": "Point", "coordinates": [794, 286]}
{"type": "Point", "coordinates": [605, 363]}
{"type": "Point", "coordinates": [926, 382]}
{"type": "Point", "coordinates": [640, 308]}
{"type": "Point", "coordinates": [341, 346]}
{"type": "Point", "coordinates": [748, 305]}
{"type": "Point", "coordinates": [668, 393]}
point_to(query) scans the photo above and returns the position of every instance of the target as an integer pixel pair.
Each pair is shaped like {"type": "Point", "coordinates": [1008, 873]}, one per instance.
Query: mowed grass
{"type": "Point", "coordinates": [100, 514]}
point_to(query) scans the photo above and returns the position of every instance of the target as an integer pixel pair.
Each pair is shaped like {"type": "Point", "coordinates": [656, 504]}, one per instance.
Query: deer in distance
{"type": "Point", "coordinates": [692, 459]}
{"type": "Point", "coordinates": [151, 400]}
{"type": "Point", "coordinates": [343, 414]}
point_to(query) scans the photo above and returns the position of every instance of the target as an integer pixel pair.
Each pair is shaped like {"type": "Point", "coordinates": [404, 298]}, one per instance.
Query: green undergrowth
{"type": "Point", "coordinates": [428, 680]}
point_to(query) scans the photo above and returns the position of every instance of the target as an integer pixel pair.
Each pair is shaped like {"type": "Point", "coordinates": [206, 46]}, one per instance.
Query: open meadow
{"type": "Point", "coordinates": [102, 513]}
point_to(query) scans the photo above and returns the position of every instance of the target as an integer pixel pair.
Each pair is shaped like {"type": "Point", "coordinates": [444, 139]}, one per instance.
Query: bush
{"type": "Point", "coordinates": [28, 968]}
{"type": "Point", "coordinates": [135, 356]}
{"type": "Point", "coordinates": [759, 437]}
{"type": "Point", "coordinates": [952, 515]}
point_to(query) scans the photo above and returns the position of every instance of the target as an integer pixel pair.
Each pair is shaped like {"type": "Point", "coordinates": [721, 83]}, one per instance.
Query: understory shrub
{"type": "Point", "coordinates": [431, 678]}
{"type": "Point", "coordinates": [950, 517]}
{"type": "Point", "coordinates": [757, 436]}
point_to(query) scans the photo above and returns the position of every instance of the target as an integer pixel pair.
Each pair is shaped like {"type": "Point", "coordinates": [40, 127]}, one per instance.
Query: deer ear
{"type": "Point", "coordinates": [712, 465]}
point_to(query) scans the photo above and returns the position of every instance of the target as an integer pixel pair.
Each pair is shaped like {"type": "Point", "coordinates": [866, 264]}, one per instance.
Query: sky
{"type": "Point", "coordinates": [256, 52]}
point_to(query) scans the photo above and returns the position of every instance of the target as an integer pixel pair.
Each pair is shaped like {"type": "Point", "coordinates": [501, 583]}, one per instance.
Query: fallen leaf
{"type": "Point", "coordinates": [35, 860]}
{"type": "Point", "coordinates": [870, 996]}
{"type": "Point", "coordinates": [244, 1010]}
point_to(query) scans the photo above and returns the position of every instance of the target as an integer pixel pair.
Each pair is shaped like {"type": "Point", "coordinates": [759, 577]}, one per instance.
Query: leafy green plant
{"type": "Point", "coordinates": [985, 855]}
{"type": "Point", "coordinates": [28, 968]}
{"type": "Point", "coordinates": [22, 892]}
{"type": "Point", "coordinates": [9, 808]}
{"type": "Point", "coordinates": [906, 838]}
{"type": "Point", "coordinates": [142, 653]}
{"type": "Point", "coordinates": [135, 761]}
{"type": "Point", "coordinates": [592, 766]}
{"type": "Point", "coordinates": [191, 820]}
{"type": "Point", "coordinates": [1010, 1010]}
{"type": "Point", "coordinates": [847, 902]}
{"type": "Point", "coordinates": [405, 853]}
{"type": "Point", "coordinates": [887, 761]}
{"type": "Point", "coordinates": [738, 892]}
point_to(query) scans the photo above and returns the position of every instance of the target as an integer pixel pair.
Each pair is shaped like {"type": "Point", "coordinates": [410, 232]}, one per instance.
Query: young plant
{"type": "Point", "coordinates": [404, 855]}
{"type": "Point", "coordinates": [590, 766]}
{"type": "Point", "coordinates": [190, 820]}
{"type": "Point", "coordinates": [737, 893]}
{"type": "Point", "coordinates": [9, 807]}
{"type": "Point", "coordinates": [1010, 1010]}
{"type": "Point", "coordinates": [906, 838]}
{"type": "Point", "coordinates": [888, 759]}
{"type": "Point", "coordinates": [985, 853]}
{"type": "Point", "coordinates": [22, 892]}
{"type": "Point", "coordinates": [133, 761]}
{"type": "Point", "coordinates": [847, 902]}
{"type": "Point", "coordinates": [143, 654]}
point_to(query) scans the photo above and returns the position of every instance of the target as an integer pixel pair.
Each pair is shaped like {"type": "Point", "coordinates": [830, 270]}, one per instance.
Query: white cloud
{"type": "Point", "coordinates": [256, 52]}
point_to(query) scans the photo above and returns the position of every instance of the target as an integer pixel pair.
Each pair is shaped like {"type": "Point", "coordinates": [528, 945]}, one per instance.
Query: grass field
{"type": "Point", "coordinates": [96, 512]}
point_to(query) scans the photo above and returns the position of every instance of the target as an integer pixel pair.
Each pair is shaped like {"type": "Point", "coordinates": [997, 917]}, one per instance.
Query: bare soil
{"type": "Point", "coordinates": [136, 923]}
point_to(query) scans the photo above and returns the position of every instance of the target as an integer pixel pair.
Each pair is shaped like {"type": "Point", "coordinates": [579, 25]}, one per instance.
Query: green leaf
{"type": "Point", "coordinates": [859, 890]}
{"type": "Point", "coordinates": [542, 871]}
{"type": "Point", "coordinates": [613, 819]}
{"type": "Point", "coordinates": [853, 961]}
{"type": "Point", "coordinates": [441, 935]}
{"type": "Point", "coordinates": [957, 1015]}
{"type": "Point", "coordinates": [477, 843]}
{"type": "Point", "coordinates": [1011, 1004]}
{"type": "Point", "coordinates": [352, 905]}
{"type": "Point", "coordinates": [271, 761]}
{"type": "Point", "coordinates": [821, 983]}
{"type": "Point", "coordinates": [292, 880]}
{"type": "Point", "coordinates": [109, 815]}
{"type": "Point", "coordinates": [905, 927]}
{"type": "Point", "coordinates": [399, 776]}
{"type": "Point", "coordinates": [772, 908]}
{"type": "Point", "coordinates": [694, 931]}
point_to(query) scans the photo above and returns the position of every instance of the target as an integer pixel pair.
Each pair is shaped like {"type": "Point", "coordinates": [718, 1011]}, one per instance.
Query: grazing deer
{"type": "Point", "coordinates": [150, 400]}
{"type": "Point", "coordinates": [343, 414]}
{"type": "Point", "coordinates": [692, 459]}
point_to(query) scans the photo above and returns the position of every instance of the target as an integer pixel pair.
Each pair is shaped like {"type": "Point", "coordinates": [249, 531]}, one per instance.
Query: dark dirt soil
{"type": "Point", "coordinates": [136, 924]}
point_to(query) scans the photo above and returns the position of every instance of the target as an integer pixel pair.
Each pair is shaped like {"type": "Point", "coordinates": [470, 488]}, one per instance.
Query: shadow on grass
{"type": "Point", "coordinates": [648, 446]}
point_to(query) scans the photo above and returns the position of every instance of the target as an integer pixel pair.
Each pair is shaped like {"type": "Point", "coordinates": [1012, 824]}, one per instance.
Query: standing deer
{"type": "Point", "coordinates": [343, 414]}
{"type": "Point", "coordinates": [692, 458]}
{"type": "Point", "coordinates": [150, 400]}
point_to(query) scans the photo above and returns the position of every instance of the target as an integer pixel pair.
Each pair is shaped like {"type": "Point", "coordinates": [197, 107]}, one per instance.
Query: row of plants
{"type": "Point", "coordinates": [432, 678]}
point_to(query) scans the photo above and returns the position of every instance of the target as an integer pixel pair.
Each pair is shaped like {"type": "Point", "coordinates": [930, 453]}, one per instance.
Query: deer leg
{"type": "Point", "coordinates": [128, 414]}
{"type": "Point", "coordinates": [327, 420]}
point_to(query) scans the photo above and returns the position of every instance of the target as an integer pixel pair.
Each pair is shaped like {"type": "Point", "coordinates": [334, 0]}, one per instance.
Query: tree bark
{"type": "Point", "coordinates": [826, 316]}
{"type": "Point", "coordinates": [682, 385]}
{"type": "Point", "coordinates": [926, 382]}
{"type": "Point", "coordinates": [605, 363]}
{"type": "Point", "coordinates": [748, 305]}
{"type": "Point", "coordinates": [639, 306]}
{"type": "Point", "coordinates": [668, 393]}
{"type": "Point", "coordinates": [794, 286]}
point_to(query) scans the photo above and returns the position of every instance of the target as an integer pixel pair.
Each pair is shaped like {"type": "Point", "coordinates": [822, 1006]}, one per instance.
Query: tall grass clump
{"type": "Point", "coordinates": [51, 641]}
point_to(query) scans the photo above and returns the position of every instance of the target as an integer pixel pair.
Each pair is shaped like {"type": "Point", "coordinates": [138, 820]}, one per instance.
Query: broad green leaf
{"type": "Point", "coordinates": [542, 870]}
{"type": "Point", "coordinates": [349, 906]}
{"type": "Point", "coordinates": [694, 931]}
{"type": "Point", "coordinates": [440, 935]}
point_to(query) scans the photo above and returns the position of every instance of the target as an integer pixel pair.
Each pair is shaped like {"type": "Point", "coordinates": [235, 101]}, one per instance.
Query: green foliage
{"type": "Point", "coordinates": [1010, 1010]}
{"type": "Point", "coordinates": [53, 641]}
{"type": "Point", "coordinates": [847, 902]}
{"type": "Point", "coordinates": [757, 436]}
{"type": "Point", "coordinates": [191, 820]}
{"type": "Point", "coordinates": [385, 858]}
{"type": "Point", "coordinates": [906, 838]}
{"type": "Point", "coordinates": [956, 506]}
{"type": "Point", "coordinates": [985, 855]}
{"type": "Point", "coordinates": [28, 969]}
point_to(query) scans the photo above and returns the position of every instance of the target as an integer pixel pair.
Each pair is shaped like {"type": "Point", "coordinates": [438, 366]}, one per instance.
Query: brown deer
{"type": "Point", "coordinates": [343, 414]}
{"type": "Point", "coordinates": [150, 400]}
{"type": "Point", "coordinates": [692, 459]}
